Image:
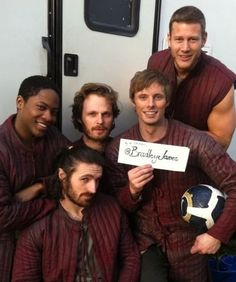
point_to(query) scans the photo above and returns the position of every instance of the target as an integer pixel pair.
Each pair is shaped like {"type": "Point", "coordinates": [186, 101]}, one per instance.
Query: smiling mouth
{"type": "Point", "coordinates": [150, 113]}
{"type": "Point", "coordinates": [185, 58]}
{"type": "Point", "coordinates": [42, 125]}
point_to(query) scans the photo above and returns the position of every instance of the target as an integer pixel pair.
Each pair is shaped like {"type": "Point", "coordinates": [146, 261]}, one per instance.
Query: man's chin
{"type": "Point", "coordinates": [39, 134]}
{"type": "Point", "coordinates": [98, 138]}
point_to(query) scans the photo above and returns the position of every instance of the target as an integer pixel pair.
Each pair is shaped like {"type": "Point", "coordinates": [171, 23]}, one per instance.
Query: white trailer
{"type": "Point", "coordinates": [28, 25]}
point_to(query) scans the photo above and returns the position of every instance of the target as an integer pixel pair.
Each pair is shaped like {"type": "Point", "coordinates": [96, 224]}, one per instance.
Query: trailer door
{"type": "Point", "coordinates": [103, 56]}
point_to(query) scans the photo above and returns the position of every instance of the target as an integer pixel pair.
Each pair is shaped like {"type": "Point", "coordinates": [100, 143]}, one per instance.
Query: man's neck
{"type": "Point", "coordinates": [153, 133]}
{"type": "Point", "coordinates": [74, 211]}
{"type": "Point", "coordinates": [182, 74]}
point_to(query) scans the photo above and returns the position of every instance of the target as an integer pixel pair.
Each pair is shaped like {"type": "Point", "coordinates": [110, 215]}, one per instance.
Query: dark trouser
{"type": "Point", "coordinates": [154, 266]}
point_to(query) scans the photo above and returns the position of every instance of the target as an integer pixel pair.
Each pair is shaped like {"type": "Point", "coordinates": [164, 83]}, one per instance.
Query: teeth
{"type": "Point", "coordinates": [150, 113]}
{"type": "Point", "coordinates": [42, 124]}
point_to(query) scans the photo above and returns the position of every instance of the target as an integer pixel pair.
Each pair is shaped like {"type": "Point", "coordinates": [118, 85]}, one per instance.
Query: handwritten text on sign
{"type": "Point", "coordinates": [161, 156]}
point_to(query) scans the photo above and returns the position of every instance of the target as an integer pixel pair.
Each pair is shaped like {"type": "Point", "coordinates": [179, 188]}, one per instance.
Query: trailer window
{"type": "Point", "coordinates": [119, 17]}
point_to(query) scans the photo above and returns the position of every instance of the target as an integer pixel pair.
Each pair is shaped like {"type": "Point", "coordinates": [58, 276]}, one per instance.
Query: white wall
{"type": "Point", "coordinates": [22, 23]}
{"type": "Point", "coordinates": [221, 28]}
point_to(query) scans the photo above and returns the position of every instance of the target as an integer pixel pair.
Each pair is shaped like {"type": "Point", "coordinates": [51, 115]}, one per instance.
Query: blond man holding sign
{"type": "Point", "coordinates": [151, 165]}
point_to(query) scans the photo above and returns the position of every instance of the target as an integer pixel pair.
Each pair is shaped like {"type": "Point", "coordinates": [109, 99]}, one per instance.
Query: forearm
{"type": "Point", "coordinates": [18, 215]}
{"type": "Point", "coordinates": [30, 192]}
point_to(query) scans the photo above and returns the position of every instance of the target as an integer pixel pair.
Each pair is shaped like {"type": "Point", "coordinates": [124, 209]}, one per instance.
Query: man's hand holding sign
{"type": "Point", "coordinates": [147, 156]}
{"type": "Point", "coordinates": [138, 178]}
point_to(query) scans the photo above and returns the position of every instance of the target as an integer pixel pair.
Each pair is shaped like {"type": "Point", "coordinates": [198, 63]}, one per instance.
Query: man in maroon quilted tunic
{"type": "Point", "coordinates": [86, 238]}
{"type": "Point", "coordinates": [203, 87]}
{"type": "Point", "coordinates": [28, 145]}
{"type": "Point", "coordinates": [153, 196]}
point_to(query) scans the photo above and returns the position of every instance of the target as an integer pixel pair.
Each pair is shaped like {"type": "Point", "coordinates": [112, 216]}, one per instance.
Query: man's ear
{"type": "Point", "coordinates": [19, 102]}
{"type": "Point", "coordinates": [133, 104]}
{"type": "Point", "coordinates": [132, 101]}
{"type": "Point", "coordinates": [167, 40]}
{"type": "Point", "coordinates": [61, 174]}
{"type": "Point", "coordinates": [204, 39]}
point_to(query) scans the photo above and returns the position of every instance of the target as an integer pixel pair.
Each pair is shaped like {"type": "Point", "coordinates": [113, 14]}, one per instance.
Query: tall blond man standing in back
{"type": "Point", "coordinates": [203, 87]}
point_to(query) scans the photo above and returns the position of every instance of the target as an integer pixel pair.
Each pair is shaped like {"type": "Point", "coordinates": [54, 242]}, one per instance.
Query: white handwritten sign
{"type": "Point", "coordinates": [161, 156]}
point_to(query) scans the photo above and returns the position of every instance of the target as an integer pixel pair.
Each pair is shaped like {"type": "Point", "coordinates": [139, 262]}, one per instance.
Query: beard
{"type": "Point", "coordinates": [97, 138]}
{"type": "Point", "coordinates": [83, 200]}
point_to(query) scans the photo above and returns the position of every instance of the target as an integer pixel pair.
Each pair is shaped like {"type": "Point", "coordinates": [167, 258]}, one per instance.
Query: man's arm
{"type": "Point", "coordinates": [15, 214]}
{"type": "Point", "coordinates": [222, 120]}
{"type": "Point", "coordinates": [30, 192]}
{"type": "Point", "coordinates": [221, 169]}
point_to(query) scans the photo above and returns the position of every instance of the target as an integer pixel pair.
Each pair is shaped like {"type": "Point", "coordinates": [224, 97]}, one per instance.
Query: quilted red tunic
{"type": "Point", "coordinates": [20, 167]}
{"type": "Point", "coordinates": [157, 217]}
{"type": "Point", "coordinates": [206, 85]}
{"type": "Point", "coordinates": [48, 250]}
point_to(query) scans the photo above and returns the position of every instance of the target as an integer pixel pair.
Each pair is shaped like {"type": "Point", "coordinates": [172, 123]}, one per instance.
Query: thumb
{"type": "Point", "coordinates": [194, 249]}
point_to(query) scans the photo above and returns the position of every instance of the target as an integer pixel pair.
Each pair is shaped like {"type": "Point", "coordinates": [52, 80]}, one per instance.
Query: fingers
{"type": "Point", "coordinates": [139, 177]}
{"type": "Point", "coordinates": [205, 244]}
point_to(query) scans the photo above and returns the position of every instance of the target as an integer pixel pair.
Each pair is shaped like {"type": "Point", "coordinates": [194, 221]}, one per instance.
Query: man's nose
{"type": "Point", "coordinates": [99, 119]}
{"type": "Point", "coordinates": [92, 187]}
{"type": "Point", "coordinates": [185, 45]}
{"type": "Point", "coordinates": [150, 102]}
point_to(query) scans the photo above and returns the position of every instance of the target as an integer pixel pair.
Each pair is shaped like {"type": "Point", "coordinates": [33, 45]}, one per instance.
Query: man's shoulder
{"type": "Point", "coordinates": [213, 64]}
{"type": "Point", "coordinates": [162, 53]}
{"type": "Point", "coordinates": [188, 135]}
{"type": "Point", "coordinates": [7, 125]}
{"type": "Point", "coordinates": [159, 58]}
{"type": "Point", "coordinates": [183, 127]}
{"type": "Point", "coordinates": [7, 134]}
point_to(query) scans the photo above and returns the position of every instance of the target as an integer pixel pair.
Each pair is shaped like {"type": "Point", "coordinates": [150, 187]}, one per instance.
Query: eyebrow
{"type": "Point", "coordinates": [46, 105]}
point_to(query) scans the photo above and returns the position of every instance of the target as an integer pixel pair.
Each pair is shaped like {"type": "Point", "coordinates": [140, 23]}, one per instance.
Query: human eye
{"type": "Point", "coordinates": [41, 107]}
{"type": "Point", "coordinates": [142, 97]}
{"type": "Point", "coordinates": [92, 114]}
{"type": "Point", "coordinates": [178, 39]}
{"type": "Point", "coordinates": [158, 97]}
{"type": "Point", "coordinates": [85, 179]}
{"type": "Point", "coordinates": [107, 115]}
{"type": "Point", "coordinates": [193, 40]}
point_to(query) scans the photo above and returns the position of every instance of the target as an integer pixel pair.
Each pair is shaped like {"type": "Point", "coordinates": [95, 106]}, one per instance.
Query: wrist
{"type": "Point", "coordinates": [39, 186]}
{"type": "Point", "coordinates": [137, 196]}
